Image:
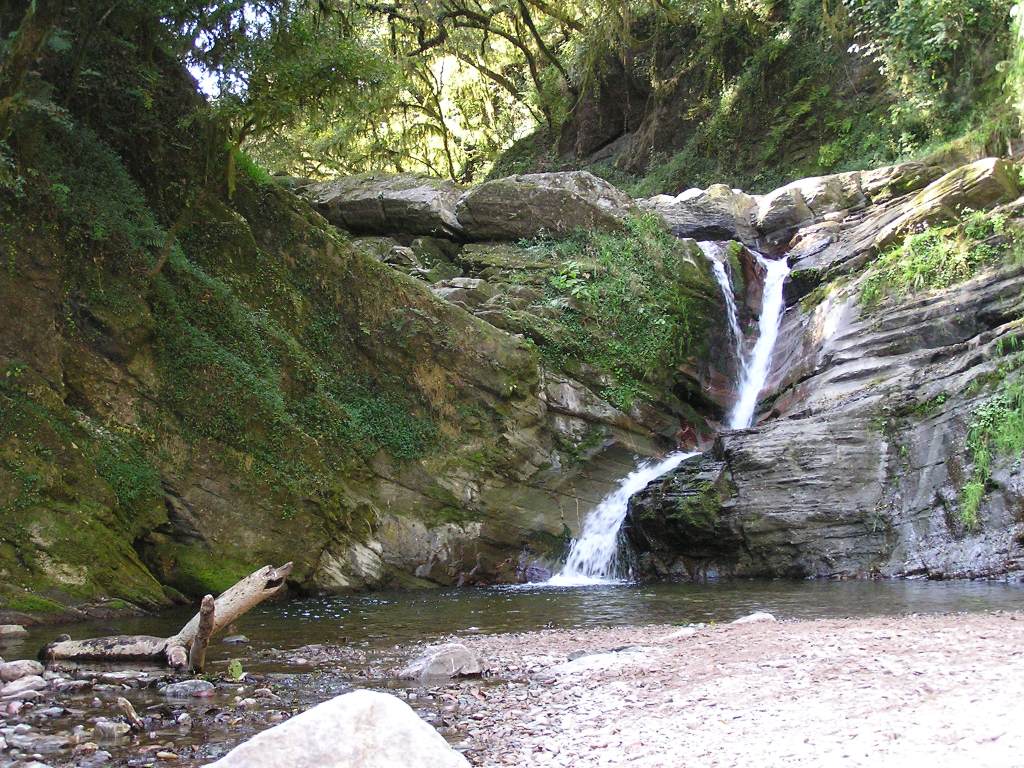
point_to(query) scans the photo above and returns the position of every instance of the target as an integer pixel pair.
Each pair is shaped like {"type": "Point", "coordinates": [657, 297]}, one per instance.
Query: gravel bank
{"type": "Point", "coordinates": [919, 690]}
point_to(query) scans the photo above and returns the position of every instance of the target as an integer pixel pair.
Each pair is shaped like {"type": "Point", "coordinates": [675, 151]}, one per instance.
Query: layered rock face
{"type": "Point", "coordinates": [859, 464]}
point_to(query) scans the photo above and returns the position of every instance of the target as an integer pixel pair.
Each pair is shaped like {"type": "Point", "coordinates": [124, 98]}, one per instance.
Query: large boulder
{"type": "Point", "coordinates": [362, 729]}
{"type": "Point", "coordinates": [882, 184]}
{"type": "Point", "coordinates": [525, 206]}
{"type": "Point", "coordinates": [15, 670]}
{"type": "Point", "coordinates": [785, 209]}
{"type": "Point", "coordinates": [830, 194]}
{"type": "Point", "coordinates": [444, 661]}
{"type": "Point", "coordinates": [715, 213]}
{"type": "Point", "coordinates": [976, 186]}
{"type": "Point", "coordinates": [388, 204]}
{"type": "Point", "coordinates": [780, 212]}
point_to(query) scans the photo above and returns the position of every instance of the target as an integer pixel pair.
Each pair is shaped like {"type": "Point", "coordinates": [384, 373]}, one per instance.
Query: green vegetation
{"type": "Point", "coordinates": [699, 507]}
{"type": "Point", "coordinates": [942, 256]}
{"type": "Point", "coordinates": [27, 603]}
{"type": "Point", "coordinates": [997, 429]}
{"type": "Point", "coordinates": [837, 86]}
{"type": "Point", "coordinates": [630, 305]}
{"type": "Point", "coordinates": [235, 672]}
{"type": "Point", "coordinates": [199, 571]}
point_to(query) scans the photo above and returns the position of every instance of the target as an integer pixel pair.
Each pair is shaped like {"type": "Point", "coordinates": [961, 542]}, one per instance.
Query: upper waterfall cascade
{"type": "Point", "coordinates": [593, 556]}
{"type": "Point", "coordinates": [756, 365]}
{"type": "Point", "coordinates": [712, 250]}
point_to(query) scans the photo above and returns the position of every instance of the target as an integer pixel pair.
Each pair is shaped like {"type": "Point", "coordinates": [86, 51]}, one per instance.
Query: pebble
{"type": "Point", "coordinates": [166, 756]}
{"type": "Point", "coordinates": [12, 630]}
{"type": "Point", "coordinates": [754, 618]}
{"type": "Point", "coordinates": [72, 686]}
{"type": "Point", "coordinates": [109, 730]}
{"type": "Point", "coordinates": [188, 689]}
{"type": "Point", "coordinates": [18, 687]}
{"type": "Point", "coordinates": [235, 640]}
{"type": "Point", "coordinates": [130, 677]}
{"type": "Point", "coordinates": [184, 719]}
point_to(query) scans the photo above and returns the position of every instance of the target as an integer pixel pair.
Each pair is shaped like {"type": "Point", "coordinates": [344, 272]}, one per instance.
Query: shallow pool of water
{"type": "Point", "coordinates": [384, 619]}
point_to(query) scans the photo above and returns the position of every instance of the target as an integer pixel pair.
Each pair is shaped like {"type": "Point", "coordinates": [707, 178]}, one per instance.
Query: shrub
{"type": "Point", "coordinates": [997, 429]}
{"type": "Point", "coordinates": [939, 257]}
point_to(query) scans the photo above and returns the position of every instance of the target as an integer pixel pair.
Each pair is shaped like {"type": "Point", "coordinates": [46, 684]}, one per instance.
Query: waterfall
{"type": "Point", "coordinates": [757, 365]}
{"type": "Point", "coordinates": [593, 556]}
{"type": "Point", "coordinates": [711, 250]}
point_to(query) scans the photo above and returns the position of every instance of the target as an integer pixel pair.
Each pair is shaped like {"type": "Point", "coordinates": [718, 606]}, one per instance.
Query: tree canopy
{"type": "Point", "coordinates": [318, 87]}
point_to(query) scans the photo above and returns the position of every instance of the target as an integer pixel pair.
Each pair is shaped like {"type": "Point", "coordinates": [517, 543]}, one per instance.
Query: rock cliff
{"type": "Point", "coordinates": [869, 441]}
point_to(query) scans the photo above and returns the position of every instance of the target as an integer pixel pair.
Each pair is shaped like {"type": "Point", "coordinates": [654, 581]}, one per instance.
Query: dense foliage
{"type": "Point", "coordinates": [445, 86]}
{"type": "Point", "coordinates": [618, 306]}
{"type": "Point", "coordinates": [996, 429]}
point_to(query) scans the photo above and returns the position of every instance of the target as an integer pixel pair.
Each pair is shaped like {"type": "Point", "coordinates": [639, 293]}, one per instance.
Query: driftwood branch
{"type": "Point", "coordinates": [197, 653]}
{"type": "Point", "coordinates": [126, 709]}
{"type": "Point", "coordinates": [174, 651]}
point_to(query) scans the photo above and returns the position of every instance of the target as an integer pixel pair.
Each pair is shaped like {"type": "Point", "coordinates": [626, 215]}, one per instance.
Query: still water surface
{"type": "Point", "coordinates": [386, 619]}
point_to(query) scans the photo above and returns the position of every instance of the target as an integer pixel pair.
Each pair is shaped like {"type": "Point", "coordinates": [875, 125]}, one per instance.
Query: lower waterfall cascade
{"type": "Point", "coordinates": [593, 556]}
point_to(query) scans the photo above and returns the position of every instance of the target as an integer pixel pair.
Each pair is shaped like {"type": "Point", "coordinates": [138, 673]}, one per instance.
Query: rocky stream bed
{"type": "Point", "coordinates": [552, 679]}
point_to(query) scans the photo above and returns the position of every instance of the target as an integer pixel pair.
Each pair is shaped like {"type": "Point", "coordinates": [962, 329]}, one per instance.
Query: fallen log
{"type": "Point", "coordinates": [174, 651]}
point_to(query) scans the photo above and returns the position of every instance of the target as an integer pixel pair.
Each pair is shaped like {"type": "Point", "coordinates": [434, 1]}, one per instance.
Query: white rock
{"type": "Point", "coordinates": [754, 618]}
{"type": "Point", "coordinates": [15, 670]}
{"type": "Point", "coordinates": [362, 729]}
{"type": "Point", "coordinates": [12, 630]}
{"type": "Point", "coordinates": [188, 689]}
{"type": "Point", "coordinates": [109, 730]}
{"type": "Point", "coordinates": [450, 660]}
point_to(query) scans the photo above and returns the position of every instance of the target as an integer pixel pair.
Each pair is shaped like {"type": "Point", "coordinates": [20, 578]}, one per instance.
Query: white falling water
{"type": "Point", "coordinates": [711, 250]}
{"type": "Point", "coordinates": [714, 250]}
{"type": "Point", "coordinates": [757, 365]}
{"type": "Point", "coordinates": [593, 557]}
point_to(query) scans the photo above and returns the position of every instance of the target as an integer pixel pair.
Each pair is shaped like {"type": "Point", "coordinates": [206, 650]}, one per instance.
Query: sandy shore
{"type": "Point", "coordinates": [922, 690]}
